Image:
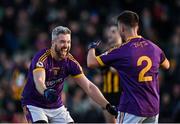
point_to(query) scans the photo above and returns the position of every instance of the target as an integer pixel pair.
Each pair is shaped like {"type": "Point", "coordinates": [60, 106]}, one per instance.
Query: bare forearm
{"type": "Point", "coordinates": [97, 96]}
{"type": "Point", "coordinates": [165, 64]}
{"type": "Point", "coordinates": [91, 59]}
{"type": "Point", "coordinates": [39, 80]}
{"type": "Point", "coordinates": [40, 88]}
{"type": "Point", "coordinates": [91, 90]}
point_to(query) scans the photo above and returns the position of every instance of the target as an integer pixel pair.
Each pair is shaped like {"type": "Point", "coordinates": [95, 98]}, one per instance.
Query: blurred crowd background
{"type": "Point", "coordinates": [25, 28]}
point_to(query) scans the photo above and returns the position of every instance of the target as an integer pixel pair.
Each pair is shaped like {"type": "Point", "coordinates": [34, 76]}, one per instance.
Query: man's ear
{"type": "Point", "coordinates": [123, 28]}
{"type": "Point", "coordinates": [137, 29]}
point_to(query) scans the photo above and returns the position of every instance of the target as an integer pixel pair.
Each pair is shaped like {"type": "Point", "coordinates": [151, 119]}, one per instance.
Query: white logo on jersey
{"type": "Point", "coordinates": [39, 64]}
{"type": "Point", "coordinates": [52, 83]}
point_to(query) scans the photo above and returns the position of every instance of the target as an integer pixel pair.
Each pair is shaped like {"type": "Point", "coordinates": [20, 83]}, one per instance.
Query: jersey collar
{"type": "Point", "coordinates": [133, 37]}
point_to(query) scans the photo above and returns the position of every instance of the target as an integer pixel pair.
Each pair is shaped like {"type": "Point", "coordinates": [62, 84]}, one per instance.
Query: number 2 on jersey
{"type": "Point", "coordinates": [142, 77]}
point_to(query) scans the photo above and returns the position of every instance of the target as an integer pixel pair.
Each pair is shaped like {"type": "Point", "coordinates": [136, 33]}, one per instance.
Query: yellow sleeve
{"type": "Point", "coordinates": [98, 58]}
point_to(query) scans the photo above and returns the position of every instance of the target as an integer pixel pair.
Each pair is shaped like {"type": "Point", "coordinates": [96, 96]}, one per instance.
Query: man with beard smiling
{"type": "Point", "coordinates": [41, 98]}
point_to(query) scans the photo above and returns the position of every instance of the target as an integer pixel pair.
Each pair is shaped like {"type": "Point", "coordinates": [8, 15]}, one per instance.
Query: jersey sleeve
{"type": "Point", "coordinates": [38, 62]}
{"type": "Point", "coordinates": [108, 57]}
{"type": "Point", "coordinates": [75, 69]}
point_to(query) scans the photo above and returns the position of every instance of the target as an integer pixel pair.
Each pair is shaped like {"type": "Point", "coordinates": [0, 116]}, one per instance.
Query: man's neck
{"type": "Point", "coordinates": [130, 35]}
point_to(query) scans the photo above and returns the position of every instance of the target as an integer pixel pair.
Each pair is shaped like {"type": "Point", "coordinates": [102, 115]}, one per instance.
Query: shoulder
{"type": "Point", "coordinates": [39, 59]}
{"type": "Point", "coordinates": [42, 55]}
{"type": "Point", "coordinates": [154, 45]}
{"type": "Point", "coordinates": [71, 59]}
{"type": "Point", "coordinates": [112, 50]}
{"type": "Point", "coordinates": [73, 65]}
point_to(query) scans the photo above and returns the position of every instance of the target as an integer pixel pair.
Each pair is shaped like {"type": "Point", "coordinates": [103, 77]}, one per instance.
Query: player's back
{"type": "Point", "coordinates": [138, 69]}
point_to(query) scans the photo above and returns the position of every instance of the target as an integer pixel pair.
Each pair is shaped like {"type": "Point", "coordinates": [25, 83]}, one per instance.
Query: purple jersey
{"type": "Point", "coordinates": [56, 72]}
{"type": "Point", "coordinates": [137, 62]}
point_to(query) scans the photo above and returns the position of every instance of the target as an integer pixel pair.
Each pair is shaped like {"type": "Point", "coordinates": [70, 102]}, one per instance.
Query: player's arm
{"type": "Point", "coordinates": [91, 90]}
{"type": "Point", "coordinates": [91, 59]}
{"type": "Point", "coordinates": [39, 76]}
{"type": "Point", "coordinates": [107, 58]}
{"type": "Point", "coordinates": [164, 61]}
{"type": "Point", "coordinates": [39, 79]}
{"type": "Point", "coordinates": [165, 64]}
{"type": "Point", "coordinates": [94, 93]}
{"type": "Point", "coordinates": [76, 72]}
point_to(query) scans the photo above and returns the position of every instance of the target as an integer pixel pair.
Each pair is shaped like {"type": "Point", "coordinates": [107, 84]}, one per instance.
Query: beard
{"type": "Point", "coordinates": [61, 52]}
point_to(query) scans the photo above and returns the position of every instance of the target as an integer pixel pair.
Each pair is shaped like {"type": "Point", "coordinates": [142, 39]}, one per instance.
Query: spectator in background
{"type": "Point", "coordinates": [111, 87]}
{"type": "Point", "coordinates": [174, 51]}
{"type": "Point", "coordinates": [165, 103]}
{"type": "Point", "coordinates": [42, 41]}
{"type": "Point", "coordinates": [23, 28]}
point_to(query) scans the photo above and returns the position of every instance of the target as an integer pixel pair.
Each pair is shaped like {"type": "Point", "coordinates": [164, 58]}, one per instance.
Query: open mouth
{"type": "Point", "coordinates": [64, 51]}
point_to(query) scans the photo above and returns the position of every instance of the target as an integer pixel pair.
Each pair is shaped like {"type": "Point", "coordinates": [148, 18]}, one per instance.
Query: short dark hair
{"type": "Point", "coordinates": [60, 30]}
{"type": "Point", "coordinates": [128, 18]}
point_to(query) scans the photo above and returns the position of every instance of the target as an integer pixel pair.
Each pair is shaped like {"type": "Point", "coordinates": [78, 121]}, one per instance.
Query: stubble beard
{"type": "Point", "coordinates": [61, 53]}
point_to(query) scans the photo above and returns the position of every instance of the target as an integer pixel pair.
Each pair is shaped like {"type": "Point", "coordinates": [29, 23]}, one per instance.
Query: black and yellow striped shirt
{"type": "Point", "coordinates": [111, 82]}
